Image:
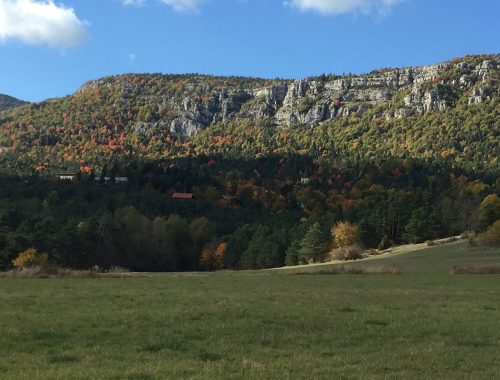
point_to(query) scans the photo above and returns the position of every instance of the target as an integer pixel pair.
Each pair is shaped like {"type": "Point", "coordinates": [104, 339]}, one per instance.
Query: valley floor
{"type": "Point", "coordinates": [423, 323]}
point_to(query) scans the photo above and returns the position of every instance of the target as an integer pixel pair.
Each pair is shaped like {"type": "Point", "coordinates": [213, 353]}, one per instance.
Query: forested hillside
{"type": "Point", "coordinates": [405, 155]}
{"type": "Point", "coordinates": [8, 102]}
{"type": "Point", "coordinates": [444, 112]}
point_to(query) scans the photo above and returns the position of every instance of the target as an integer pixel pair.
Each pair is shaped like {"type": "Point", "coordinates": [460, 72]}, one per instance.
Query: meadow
{"type": "Point", "coordinates": [423, 323]}
{"type": "Point", "coordinates": [412, 260]}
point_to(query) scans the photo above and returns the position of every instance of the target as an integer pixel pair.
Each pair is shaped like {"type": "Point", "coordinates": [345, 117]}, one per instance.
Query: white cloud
{"type": "Point", "coordinates": [332, 7]}
{"type": "Point", "coordinates": [183, 5]}
{"type": "Point", "coordinates": [38, 22]}
{"type": "Point", "coordinates": [344, 6]}
{"type": "Point", "coordinates": [178, 5]}
{"type": "Point", "coordinates": [133, 2]}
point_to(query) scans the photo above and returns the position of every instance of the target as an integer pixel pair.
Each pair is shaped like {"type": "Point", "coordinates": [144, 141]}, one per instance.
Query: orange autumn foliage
{"type": "Point", "coordinates": [212, 257]}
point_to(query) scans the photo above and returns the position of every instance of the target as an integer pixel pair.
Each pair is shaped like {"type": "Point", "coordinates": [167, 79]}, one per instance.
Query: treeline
{"type": "Point", "coordinates": [246, 213]}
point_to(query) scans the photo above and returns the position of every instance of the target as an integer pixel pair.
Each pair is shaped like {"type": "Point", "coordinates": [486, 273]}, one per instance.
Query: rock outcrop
{"type": "Point", "coordinates": [195, 102]}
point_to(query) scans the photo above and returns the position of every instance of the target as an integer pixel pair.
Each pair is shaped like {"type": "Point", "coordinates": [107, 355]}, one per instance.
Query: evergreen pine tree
{"type": "Point", "coordinates": [314, 245]}
{"type": "Point", "coordinates": [416, 231]}
{"type": "Point", "coordinates": [292, 253]}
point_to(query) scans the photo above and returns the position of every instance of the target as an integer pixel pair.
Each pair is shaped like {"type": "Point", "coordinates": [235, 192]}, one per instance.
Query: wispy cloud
{"type": "Point", "coordinates": [183, 5]}
{"type": "Point", "coordinates": [133, 2]}
{"type": "Point", "coordinates": [332, 7]}
{"type": "Point", "coordinates": [328, 7]}
{"type": "Point", "coordinates": [40, 22]}
{"type": "Point", "coordinates": [178, 5]}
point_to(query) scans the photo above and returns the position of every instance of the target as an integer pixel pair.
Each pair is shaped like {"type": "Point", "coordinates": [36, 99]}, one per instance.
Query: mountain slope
{"type": "Point", "coordinates": [441, 112]}
{"type": "Point", "coordinates": [8, 102]}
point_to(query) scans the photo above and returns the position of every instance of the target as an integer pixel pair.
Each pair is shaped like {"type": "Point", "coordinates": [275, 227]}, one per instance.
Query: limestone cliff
{"type": "Point", "coordinates": [185, 104]}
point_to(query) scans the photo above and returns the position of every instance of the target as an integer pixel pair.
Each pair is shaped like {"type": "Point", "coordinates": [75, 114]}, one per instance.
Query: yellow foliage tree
{"type": "Point", "coordinates": [492, 235]}
{"type": "Point", "coordinates": [345, 234]}
{"type": "Point", "coordinates": [220, 252]}
{"type": "Point", "coordinates": [30, 258]}
{"type": "Point", "coordinates": [488, 212]}
{"type": "Point", "coordinates": [212, 257]}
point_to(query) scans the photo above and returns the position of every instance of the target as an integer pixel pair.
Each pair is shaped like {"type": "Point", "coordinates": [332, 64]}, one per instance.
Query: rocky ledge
{"type": "Point", "coordinates": [200, 101]}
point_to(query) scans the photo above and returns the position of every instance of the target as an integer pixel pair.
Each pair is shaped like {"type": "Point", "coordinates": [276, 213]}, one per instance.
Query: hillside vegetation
{"type": "Point", "coordinates": [8, 102]}
{"type": "Point", "coordinates": [446, 112]}
{"type": "Point", "coordinates": [403, 155]}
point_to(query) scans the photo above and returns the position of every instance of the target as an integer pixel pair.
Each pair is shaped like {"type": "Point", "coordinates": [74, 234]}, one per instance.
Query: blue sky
{"type": "Point", "coordinates": [48, 49]}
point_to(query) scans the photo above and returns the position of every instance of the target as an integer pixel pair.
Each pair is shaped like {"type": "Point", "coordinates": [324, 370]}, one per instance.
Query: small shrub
{"type": "Point", "coordinates": [373, 252]}
{"type": "Point", "coordinates": [342, 269]}
{"type": "Point", "coordinates": [351, 252]}
{"type": "Point", "coordinates": [346, 269]}
{"type": "Point", "coordinates": [476, 269]}
{"type": "Point", "coordinates": [466, 235]}
{"type": "Point", "coordinates": [48, 271]}
{"type": "Point", "coordinates": [432, 243]}
{"type": "Point", "coordinates": [394, 269]}
{"type": "Point", "coordinates": [491, 237]}
{"type": "Point", "coordinates": [118, 270]}
{"type": "Point", "coordinates": [30, 258]}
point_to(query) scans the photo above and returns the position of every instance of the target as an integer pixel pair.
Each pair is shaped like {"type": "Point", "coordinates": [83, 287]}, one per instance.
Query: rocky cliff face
{"type": "Point", "coordinates": [8, 102]}
{"type": "Point", "coordinates": [190, 103]}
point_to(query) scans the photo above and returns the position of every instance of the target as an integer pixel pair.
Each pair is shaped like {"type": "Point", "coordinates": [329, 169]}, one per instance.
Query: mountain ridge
{"type": "Point", "coordinates": [154, 116]}
{"type": "Point", "coordinates": [317, 99]}
{"type": "Point", "coordinates": [8, 102]}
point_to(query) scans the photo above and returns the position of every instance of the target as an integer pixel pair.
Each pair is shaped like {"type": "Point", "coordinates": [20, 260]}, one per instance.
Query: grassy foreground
{"type": "Point", "coordinates": [414, 325]}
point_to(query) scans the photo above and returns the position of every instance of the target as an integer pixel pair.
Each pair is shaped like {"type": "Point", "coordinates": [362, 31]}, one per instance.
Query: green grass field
{"type": "Point", "coordinates": [438, 260]}
{"type": "Point", "coordinates": [423, 324]}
